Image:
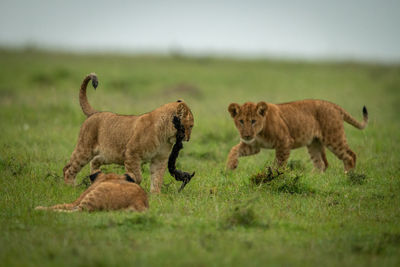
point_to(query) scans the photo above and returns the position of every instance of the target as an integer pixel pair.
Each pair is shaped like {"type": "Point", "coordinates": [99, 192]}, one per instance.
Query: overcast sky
{"type": "Point", "coordinates": [364, 30]}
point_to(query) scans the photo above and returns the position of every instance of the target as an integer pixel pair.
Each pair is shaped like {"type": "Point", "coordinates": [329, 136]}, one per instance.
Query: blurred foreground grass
{"type": "Point", "coordinates": [220, 218]}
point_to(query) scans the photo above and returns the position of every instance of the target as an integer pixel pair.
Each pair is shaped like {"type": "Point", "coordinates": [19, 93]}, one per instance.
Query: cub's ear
{"type": "Point", "coordinates": [93, 176]}
{"type": "Point", "coordinates": [128, 178]}
{"type": "Point", "coordinates": [181, 110]}
{"type": "Point", "coordinates": [262, 108]}
{"type": "Point", "coordinates": [234, 109]}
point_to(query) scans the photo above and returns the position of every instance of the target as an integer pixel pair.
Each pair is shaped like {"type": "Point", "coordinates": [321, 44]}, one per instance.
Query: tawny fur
{"type": "Point", "coordinates": [108, 192]}
{"type": "Point", "coordinates": [128, 140]}
{"type": "Point", "coordinates": [315, 124]}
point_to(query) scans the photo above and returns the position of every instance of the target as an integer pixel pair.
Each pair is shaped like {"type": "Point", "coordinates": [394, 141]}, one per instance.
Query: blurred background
{"type": "Point", "coordinates": [312, 29]}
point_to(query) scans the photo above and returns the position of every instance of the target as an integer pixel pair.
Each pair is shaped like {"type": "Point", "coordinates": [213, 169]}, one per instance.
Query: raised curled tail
{"type": "Point", "coordinates": [349, 119]}
{"type": "Point", "coordinates": [86, 107]}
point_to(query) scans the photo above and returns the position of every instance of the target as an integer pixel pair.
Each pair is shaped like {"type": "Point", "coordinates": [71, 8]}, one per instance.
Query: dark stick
{"type": "Point", "coordinates": [185, 177]}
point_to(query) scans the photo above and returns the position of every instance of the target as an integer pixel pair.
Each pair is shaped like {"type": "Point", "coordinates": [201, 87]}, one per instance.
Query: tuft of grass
{"type": "Point", "coordinates": [265, 176]}
{"type": "Point", "coordinates": [281, 181]}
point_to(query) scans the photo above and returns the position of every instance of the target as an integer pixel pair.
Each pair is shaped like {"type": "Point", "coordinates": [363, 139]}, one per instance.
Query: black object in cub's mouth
{"type": "Point", "coordinates": [185, 177]}
{"type": "Point", "coordinates": [128, 178]}
{"type": "Point", "coordinates": [93, 176]}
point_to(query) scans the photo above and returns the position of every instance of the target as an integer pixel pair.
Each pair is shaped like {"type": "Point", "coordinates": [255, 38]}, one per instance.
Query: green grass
{"type": "Point", "coordinates": [220, 218]}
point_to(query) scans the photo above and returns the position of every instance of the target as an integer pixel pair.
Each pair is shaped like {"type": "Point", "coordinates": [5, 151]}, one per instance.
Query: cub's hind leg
{"type": "Point", "coordinates": [317, 154]}
{"type": "Point", "coordinates": [353, 155]}
{"type": "Point", "coordinates": [341, 149]}
{"type": "Point", "coordinates": [334, 139]}
{"type": "Point", "coordinates": [79, 158]}
{"type": "Point", "coordinates": [323, 154]}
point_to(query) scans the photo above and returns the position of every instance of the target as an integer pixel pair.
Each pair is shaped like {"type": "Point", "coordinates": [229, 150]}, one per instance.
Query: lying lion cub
{"type": "Point", "coordinates": [107, 138]}
{"type": "Point", "coordinates": [107, 192]}
{"type": "Point", "coordinates": [311, 123]}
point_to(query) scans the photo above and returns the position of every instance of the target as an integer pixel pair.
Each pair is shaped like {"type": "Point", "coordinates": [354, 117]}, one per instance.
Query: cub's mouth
{"type": "Point", "coordinates": [248, 142]}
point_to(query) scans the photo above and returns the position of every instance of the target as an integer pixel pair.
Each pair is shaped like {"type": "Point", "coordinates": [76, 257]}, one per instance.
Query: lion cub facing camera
{"type": "Point", "coordinates": [107, 192]}
{"type": "Point", "coordinates": [315, 124]}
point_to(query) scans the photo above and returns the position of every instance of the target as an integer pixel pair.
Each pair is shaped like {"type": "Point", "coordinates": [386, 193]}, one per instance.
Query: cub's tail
{"type": "Point", "coordinates": [59, 207]}
{"type": "Point", "coordinates": [349, 119]}
{"type": "Point", "coordinates": [86, 107]}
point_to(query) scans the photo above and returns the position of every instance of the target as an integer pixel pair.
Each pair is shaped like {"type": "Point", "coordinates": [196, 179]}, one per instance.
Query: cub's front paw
{"type": "Point", "coordinates": [232, 164]}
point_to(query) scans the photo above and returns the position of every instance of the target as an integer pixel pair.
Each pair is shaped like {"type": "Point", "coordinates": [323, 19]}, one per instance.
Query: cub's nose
{"type": "Point", "coordinates": [247, 137]}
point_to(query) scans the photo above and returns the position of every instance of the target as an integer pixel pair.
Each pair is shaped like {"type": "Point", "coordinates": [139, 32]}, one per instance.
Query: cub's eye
{"type": "Point", "coordinates": [191, 126]}
{"type": "Point", "coordinates": [241, 121]}
{"type": "Point", "coordinates": [253, 121]}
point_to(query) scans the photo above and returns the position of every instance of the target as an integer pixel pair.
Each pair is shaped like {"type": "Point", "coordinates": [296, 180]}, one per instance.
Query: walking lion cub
{"type": "Point", "coordinates": [315, 124]}
{"type": "Point", "coordinates": [107, 192]}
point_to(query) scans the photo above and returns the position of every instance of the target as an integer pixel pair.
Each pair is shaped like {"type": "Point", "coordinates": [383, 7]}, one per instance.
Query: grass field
{"type": "Point", "coordinates": [220, 219]}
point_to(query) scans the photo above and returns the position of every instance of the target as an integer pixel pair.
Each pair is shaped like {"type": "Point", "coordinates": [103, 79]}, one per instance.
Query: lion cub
{"type": "Point", "coordinates": [129, 140]}
{"type": "Point", "coordinates": [107, 192]}
{"type": "Point", "coordinates": [315, 124]}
